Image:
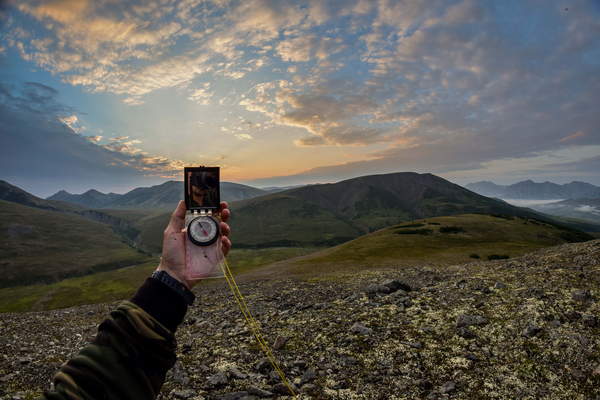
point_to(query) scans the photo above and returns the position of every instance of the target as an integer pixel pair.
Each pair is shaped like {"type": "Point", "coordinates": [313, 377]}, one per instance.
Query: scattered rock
{"type": "Point", "coordinates": [447, 387]}
{"type": "Point", "coordinates": [264, 366]}
{"type": "Point", "coordinates": [377, 289]}
{"type": "Point", "coordinates": [183, 394]}
{"type": "Point", "coordinates": [532, 330]}
{"type": "Point", "coordinates": [394, 285]}
{"type": "Point", "coordinates": [256, 391]}
{"type": "Point", "coordinates": [280, 341]}
{"type": "Point", "coordinates": [360, 329]}
{"type": "Point", "coordinates": [234, 396]}
{"type": "Point", "coordinates": [572, 316]}
{"type": "Point", "coordinates": [310, 389]}
{"type": "Point", "coordinates": [281, 388]}
{"type": "Point", "coordinates": [424, 384]}
{"type": "Point", "coordinates": [589, 320]}
{"type": "Point", "coordinates": [596, 371]}
{"type": "Point", "coordinates": [465, 332]}
{"type": "Point", "coordinates": [218, 379]}
{"type": "Point", "coordinates": [236, 373]}
{"type": "Point", "coordinates": [499, 285]}
{"type": "Point", "coordinates": [308, 376]}
{"type": "Point", "coordinates": [24, 360]}
{"type": "Point", "coordinates": [469, 320]}
{"type": "Point", "coordinates": [300, 364]}
{"type": "Point", "coordinates": [582, 295]}
{"type": "Point", "coordinates": [274, 377]}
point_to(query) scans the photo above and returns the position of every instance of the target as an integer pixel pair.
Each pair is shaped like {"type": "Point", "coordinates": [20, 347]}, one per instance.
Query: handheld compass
{"type": "Point", "coordinates": [203, 230]}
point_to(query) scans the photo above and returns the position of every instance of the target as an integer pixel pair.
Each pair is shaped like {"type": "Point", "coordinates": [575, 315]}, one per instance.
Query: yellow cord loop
{"type": "Point", "coordinates": [253, 325]}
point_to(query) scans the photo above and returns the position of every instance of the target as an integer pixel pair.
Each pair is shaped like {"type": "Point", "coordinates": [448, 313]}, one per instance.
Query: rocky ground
{"type": "Point", "coordinates": [523, 328]}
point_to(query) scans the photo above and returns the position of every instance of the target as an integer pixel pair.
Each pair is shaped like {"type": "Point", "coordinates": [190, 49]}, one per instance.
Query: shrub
{"type": "Point", "coordinates": [502, 216]}
{"type": "Point", "coordinates": [451, 229]}
{"type": "Point", "coordinates": [474, 255]}
{"type": "Point", "coordinates": [415, 225]}
{"type": "Point", "coordinates": [434, 223]}
{"type": "Point", "coordinates": [414, 232]}
{"type": "Point", "coordinates": [497, 257]}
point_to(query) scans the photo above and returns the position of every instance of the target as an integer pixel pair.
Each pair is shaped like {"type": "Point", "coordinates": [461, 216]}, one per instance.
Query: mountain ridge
{"type": "Point", "coordinates": [530, 190]}
{"type": "Point", "coordinates": [164, 195]}
{"type": "Point", "coordinates": [358, 206]}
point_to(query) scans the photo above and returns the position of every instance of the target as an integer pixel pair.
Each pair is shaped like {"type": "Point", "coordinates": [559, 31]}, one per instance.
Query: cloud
{"type": "Point", "coordinates": [572, 137]}
{"type": "Point", "coordinates": [429, 84]}
{"type": "Point", "coordinates": [588, 209]}
{"type": "Point", "coordinates": [72, 121]}
{"type": "Point", "coordinates": [202, 95]}
{"type": "Point", "coordinates": [135, 48]}
{"type": "Point", "coordinates": [243, 136]}
{"type": "Point", "coordinates": [589, 164]}
{"type": "Point", "coordinates": [31, 124]}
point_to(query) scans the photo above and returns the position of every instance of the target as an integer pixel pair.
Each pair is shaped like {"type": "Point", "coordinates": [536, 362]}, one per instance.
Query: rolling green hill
{"type": "Point", "coordinates": [433, 241]}
{"type": "Point", "coordinates": [121, 283]}
{"type": "Point", "coordinates": [44, 246]}
{"type": "Point", "coordinates": [441, 241]}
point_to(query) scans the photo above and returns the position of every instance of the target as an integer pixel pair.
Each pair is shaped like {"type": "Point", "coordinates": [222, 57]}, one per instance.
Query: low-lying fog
{"type": "Point", "coordinates": [529, 203]}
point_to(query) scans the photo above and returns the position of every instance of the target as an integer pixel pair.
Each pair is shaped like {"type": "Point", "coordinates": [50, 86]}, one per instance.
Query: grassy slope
{"type": "Point", "coordinates": [40, 245]}
{"type": "Point", "coordinates": [483, 235]}
{"type": "Point", "coordinates": [119, 284]}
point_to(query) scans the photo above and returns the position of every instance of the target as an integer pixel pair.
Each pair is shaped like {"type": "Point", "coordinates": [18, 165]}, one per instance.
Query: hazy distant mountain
{"type": "Point", "coordinates": [92, 198]}
{"type": "Point", "coordinates": [584, 209]}
{"type": "Point", "coordinates": [165, 195]}
{"type": "Point", "coordinates": [536, 191]}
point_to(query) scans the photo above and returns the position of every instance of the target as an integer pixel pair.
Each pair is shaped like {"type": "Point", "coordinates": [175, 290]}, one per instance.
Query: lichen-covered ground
{"type": "Point", "coordinates": [523, 328]}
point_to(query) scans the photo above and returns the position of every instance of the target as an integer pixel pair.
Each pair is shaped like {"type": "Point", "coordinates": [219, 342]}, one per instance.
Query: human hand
{"type": "Point", "coordinates": [173, 251]}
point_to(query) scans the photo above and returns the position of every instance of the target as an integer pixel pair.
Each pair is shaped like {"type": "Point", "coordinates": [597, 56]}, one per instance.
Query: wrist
{"type": "Point", "coordinates": [174, 275]}
{"type": "Point", "coordinates": [174, 284]}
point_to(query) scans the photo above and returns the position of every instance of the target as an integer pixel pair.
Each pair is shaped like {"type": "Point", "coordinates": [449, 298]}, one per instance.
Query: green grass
{"type": "Point", "coordinates": [483, 235]}
{"type": "Point", "coordinates": [121, 283]}
{"type": "Point", "coordinates": [46, 246]}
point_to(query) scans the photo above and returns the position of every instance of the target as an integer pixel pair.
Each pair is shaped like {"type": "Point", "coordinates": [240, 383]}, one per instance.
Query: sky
{"type": "Point", "coordinates": [113, 95]}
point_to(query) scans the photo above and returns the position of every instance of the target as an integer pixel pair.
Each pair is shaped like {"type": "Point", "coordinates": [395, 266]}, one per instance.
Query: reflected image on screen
{"type": "Point", "coordinates": [203, 189]}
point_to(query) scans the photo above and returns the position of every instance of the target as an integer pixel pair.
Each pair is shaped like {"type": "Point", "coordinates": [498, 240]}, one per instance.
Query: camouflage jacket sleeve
{"type": "Point", "coordinates": [133, 350]}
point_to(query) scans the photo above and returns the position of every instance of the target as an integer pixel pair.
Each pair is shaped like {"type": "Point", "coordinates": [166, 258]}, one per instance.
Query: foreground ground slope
{"type": "Point", "coordinates": [524, 328]}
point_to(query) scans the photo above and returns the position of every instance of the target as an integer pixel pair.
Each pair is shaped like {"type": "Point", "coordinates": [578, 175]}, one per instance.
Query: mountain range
{"type": "Point", "coordinates": [64, 238]}
{"type": "Point", "coordinates": [529, 190]}
{"type": "Point", "coordinates": [328, 214]}
{"type": "Point", "coordinates": [165, 195]}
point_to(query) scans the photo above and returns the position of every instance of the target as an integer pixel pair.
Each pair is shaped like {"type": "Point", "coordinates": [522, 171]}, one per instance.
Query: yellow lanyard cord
{"type": "Point", "coordinates": [253, 325]}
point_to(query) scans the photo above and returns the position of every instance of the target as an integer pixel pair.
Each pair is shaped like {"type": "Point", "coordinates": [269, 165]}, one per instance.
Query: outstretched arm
{"type": "Point", "coordinates": [135, 345]}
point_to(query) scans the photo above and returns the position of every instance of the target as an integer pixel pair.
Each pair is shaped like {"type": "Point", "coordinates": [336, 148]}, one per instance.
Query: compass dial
{"type": "Point", "coordinates": [203, 230]}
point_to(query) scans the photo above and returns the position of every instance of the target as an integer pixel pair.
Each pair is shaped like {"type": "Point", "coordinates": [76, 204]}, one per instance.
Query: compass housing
{"type": "Point", "coordinates": [203, 230]}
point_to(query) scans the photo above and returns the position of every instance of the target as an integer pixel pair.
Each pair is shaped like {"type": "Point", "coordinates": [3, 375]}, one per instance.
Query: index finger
{"type": "Point", "coordinates": [225, 213]}
{"type": "Point", "coordinates": [177, 220]}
